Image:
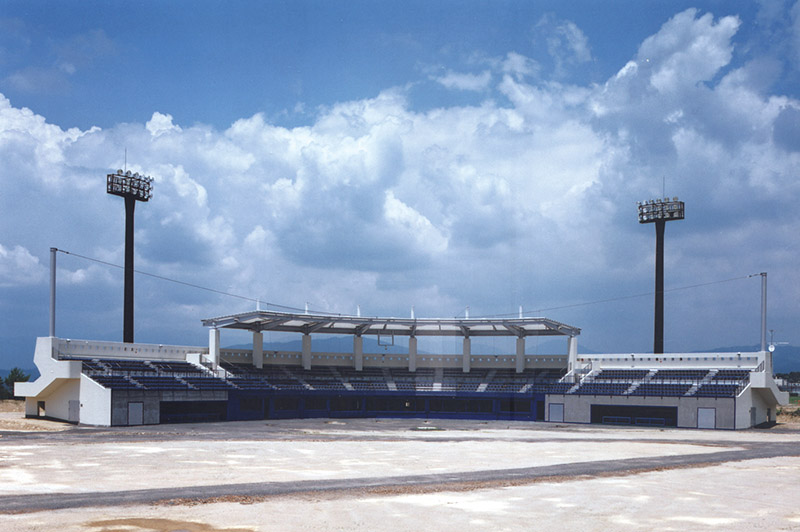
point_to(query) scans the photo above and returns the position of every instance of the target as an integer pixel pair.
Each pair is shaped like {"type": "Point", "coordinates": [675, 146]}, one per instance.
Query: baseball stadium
{"type": "Point", "coordinates": [115, 384]}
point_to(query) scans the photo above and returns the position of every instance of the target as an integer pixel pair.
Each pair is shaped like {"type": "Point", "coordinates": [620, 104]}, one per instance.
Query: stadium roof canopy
{"type": "Point", "coordinates": [265, 320]}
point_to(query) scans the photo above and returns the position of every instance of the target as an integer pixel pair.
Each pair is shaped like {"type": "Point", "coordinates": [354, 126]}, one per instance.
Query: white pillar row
{"type": "Point", "coordinates": [572, 353]}
{"type": "Point", "coordinates": [213, 346]}
{"type": "Point", "coordinates": [520, 354]}
{"type": "Point", "coordinates": [358, 352]}
{"type": "Point", "coordinates": [258, 349]}
{"type": "Point", "coordinates": [306, 351]}
{"type": "Point", "coordinates": [412, 353]}
{"type": "Point", "coordinates": [466, 359]}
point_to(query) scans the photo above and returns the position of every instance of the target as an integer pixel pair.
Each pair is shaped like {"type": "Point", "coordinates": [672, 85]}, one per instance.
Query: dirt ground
{"type": "Point", "coordinates": [789, 415]}
{"type": "Point", "coordinates": [222, 463]}
{"type": "Point", "coordinates": [12, 417]}
{"type": "Point", "coordinates": [11, 405]}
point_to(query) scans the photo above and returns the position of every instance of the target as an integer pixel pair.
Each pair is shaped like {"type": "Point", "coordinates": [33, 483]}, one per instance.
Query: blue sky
{"type": "Point", "coordinates": [388, 155]}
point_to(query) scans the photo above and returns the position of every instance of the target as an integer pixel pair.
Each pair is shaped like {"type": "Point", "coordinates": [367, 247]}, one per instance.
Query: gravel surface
{"type": "Point", "coordinates": [396, 475]}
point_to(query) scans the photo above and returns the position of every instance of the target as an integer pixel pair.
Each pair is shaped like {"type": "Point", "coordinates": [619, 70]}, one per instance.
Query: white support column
{"type": "Point", "coordinates": [306, 351]}
{"type": "Point", "coordinates": [213, 346]}
{"type": "Point", "coordinates": [572, 353]}
{"type": "Point", "coordinates": [358, 352]}
{"type": "Point", "coordinates": [466, 359]}
{"type": "Point", "coordinates": [258, 349]}
{"type": "Point", "coordinates": [412, 353]}
{"type": "Point", "coordinates": [520, 354]}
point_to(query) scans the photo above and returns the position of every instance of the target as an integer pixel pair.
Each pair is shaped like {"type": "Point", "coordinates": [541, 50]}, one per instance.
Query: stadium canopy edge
{"type": "Point", "coordinates": [265, 320]}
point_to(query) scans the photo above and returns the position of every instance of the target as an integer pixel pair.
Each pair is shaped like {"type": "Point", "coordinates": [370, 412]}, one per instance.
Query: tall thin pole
{"type": "Point", "coordinates": [53, 291]}
{"type": "Point", "coordinates": [127, 328]}
{"type": "Point", "coordinates": [658, 322]}
{"type": "Point", "coordinates": [133, 188]}
{"type": "Point", "coordinates": [763, 311]}
{"type": "Point", "coordinates": [659, 212]}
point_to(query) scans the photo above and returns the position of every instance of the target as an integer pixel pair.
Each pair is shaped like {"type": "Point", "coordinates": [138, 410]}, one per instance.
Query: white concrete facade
{"type": "Point", "coordinates": [756, 404]}
{"type": "Point", "coordinates": [63, 392]}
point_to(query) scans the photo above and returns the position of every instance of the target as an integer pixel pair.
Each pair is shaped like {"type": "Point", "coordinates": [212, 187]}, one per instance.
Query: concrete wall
{"type": "Point", "coordinates": [58, 396]}
{"type": "Point", "coordinates": [725, 408]}
{"type": "Point", "coordinates": [119, 406]}
{"type": "Point", "coordinates": [761, 401]}
{"type": "Point", "coordinates": [393, 360]}
{"type": "Point", "coordinates": [673, 360]}
{"type": "Point", "coordinates": [151, 402]}
{"type": "Point", "coordinates": [50, 370]}
{"type": "Point", "coordinates": [95, 403]}
{"type": "Point", "coordinates": [97, 349]}
{"type": "Point", "coordinates": [577, 408]}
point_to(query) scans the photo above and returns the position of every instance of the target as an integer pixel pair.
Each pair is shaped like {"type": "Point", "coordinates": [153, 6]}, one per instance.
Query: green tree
{"type": "Point", "coordinates": [15, 375]}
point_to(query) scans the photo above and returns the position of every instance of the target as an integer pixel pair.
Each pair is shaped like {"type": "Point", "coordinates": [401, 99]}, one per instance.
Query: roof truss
{"type": "Point", "coordinates": [265, 320]}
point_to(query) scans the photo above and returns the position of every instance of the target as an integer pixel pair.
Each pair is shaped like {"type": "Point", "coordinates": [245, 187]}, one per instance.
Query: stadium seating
{"type": "Point", "coordinates": [369, 379]}
{"type": "Point", "coordinates": [115, 382]}
{"type": "Point", "coordinates": [160, 382]}
{"type": "Point", "coordinates": [176, 367]}
{"type": "Point", "coordinates": [661, 390]}
{"type": "Point", "coordinates": [737, 375]}
{"type": "Point", "coordinates": [249, 383]}
{"type": "Point", "coordinates": [692, 375]}
{"type": "Point", "coordinates": [128, 366]}
{"type": "Point", "coordinates": [717, 390]}
{"type": "Point", "coordinates": [628, 375]}
{"type": "Point", "coordinates": [207, 383]}
{"type": "Point", "coordinates": [322, 379]}
{"type": "Point", "coordinates": [420, 380]}
{"type": "Point", "coordinates": [602, 388]}
{"type": "Point", "coordinates": [122, 374]}
{"type": "Point", "coordinates": [554, 387]}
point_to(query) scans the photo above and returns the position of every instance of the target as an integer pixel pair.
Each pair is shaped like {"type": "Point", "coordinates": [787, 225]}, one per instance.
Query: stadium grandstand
{"type": "Point", "coordinates": [110, 384]}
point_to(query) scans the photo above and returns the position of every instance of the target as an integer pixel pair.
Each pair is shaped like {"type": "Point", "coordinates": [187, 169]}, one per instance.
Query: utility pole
{"type": "Point", "coordinates": [53, 252]}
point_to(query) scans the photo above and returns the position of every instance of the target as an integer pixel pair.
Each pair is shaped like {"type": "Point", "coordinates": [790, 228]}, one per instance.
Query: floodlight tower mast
{"type": "Point", "coordinates": [660, 212]}
{"type": "Point", "coordinates": [133, 188]}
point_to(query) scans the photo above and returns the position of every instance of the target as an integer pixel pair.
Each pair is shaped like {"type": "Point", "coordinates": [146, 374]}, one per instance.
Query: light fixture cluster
{"type": "Point", "coordinates": [660, 209]}
{"type": "Point", "coordinates": [127, 184]}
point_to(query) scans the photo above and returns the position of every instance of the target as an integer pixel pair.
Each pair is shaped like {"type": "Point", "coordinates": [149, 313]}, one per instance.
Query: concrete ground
{"type": "Point", "coordinates": [395, 475]}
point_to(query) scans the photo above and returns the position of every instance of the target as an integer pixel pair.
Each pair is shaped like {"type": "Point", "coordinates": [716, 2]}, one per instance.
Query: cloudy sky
{"type": "Point", "coordinates": [389, 155]}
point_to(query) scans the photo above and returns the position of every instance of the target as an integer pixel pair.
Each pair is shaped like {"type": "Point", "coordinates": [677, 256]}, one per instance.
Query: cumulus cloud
{"type": "Point", "coordinates": [565, 42]}
{"type": "Point", "coordinates": [413, 225]}
{"type": "Point", "coordinates": [19, 267]}
{"type": "Point", "coordinates": [527, 198]}
{"type": "Point", "coordinates": [465, 81]}
{"type": "Point", "coordinates": [688, 50]}
{"type": "Point", "coordinates": [519, 66]}
{"type": "Point", "coordinates": [160, 123]}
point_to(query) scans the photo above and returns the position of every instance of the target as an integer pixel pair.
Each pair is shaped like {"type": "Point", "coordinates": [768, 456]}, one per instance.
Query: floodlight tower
{"type": "Point", "coordinates": [660, 212]}
{"type": "Point", "coordinates": [132, 187]}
